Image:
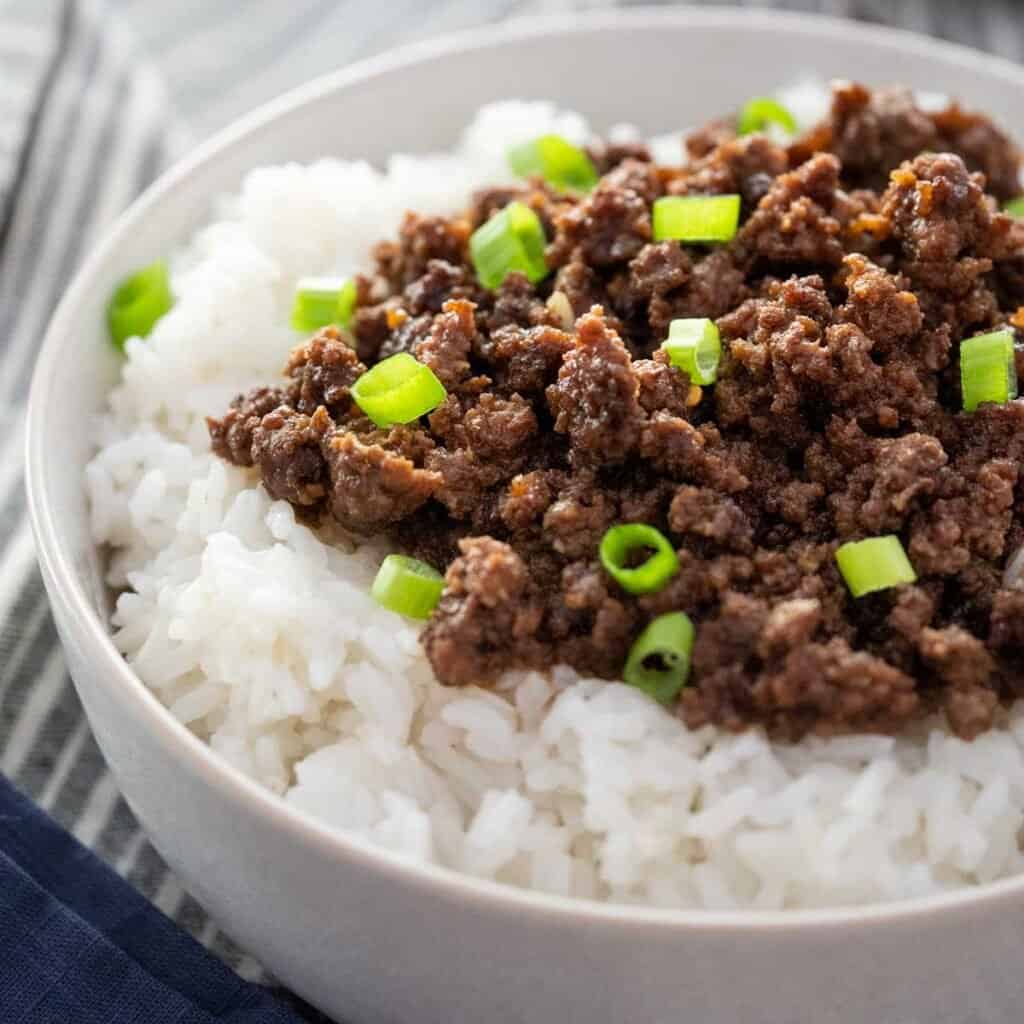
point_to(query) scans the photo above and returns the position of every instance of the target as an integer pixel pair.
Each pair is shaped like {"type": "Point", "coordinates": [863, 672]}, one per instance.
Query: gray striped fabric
{"type": "Point", "coordinates": [96, 97]}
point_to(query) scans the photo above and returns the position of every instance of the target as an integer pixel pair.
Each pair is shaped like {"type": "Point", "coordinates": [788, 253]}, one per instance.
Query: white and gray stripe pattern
{"type": "Point", "coordinates": [29, 44]}
{"type": "Point", "coordinates": [96, 97]}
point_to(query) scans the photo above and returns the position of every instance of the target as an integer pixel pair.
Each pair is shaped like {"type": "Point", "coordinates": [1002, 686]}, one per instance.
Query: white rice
{"type": "Point", "coordinates": [262, 638]}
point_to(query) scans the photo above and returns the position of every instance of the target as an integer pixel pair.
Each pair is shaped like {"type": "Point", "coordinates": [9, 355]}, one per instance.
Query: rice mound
{"type": "Point", "coordinates": [262, 638]}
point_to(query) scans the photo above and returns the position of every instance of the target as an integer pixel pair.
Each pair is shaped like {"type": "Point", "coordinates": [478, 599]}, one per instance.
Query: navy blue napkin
{"type": "Point", "coordinates": [78, 945]}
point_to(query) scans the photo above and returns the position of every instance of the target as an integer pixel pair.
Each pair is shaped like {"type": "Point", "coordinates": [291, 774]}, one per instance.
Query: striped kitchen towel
{"type": "Point", "coordinates": [96, 97]}
{"type": "Point", "coordinates": [87, 124]}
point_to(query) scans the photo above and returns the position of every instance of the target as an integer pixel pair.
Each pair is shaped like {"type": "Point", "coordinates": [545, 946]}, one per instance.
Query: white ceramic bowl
{"type": "Point", "coordinates": [357, 931]}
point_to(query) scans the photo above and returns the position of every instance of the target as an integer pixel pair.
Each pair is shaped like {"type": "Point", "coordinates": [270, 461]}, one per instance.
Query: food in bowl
{"type": "Point", "coordinates": [740, 432]}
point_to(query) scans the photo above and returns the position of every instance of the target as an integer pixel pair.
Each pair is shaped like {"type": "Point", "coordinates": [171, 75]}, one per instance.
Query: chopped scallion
{"type": "Point", "coordinates": [407, 586]}
{"type": "Point", "coordinates": [622, 543]}
{"type": "Point", "coordinates": [988, 369]}
{"type": "Point", "coordinates": [762, 111]}
{"type": "Point", "coordinates": [694, 345]}
{"type": "Point", "coordinates": [659, 660]}
{"type": "Point", "coordinates": [556, 160]}
{"type": "Point", "coordinates": [398, 390]}
{"type": "Point", "coordinates": [696, 218]}
{"type": "Point", "coordinates": [138, 302]}
{"type": "Point", "coordinates": [877, 563]}
{"type": "Point", "coordinates": [512, 239]}
{"type": "Point", "coordinates": [320, 301]}
{"type": "Point", "coordinates": [1014, 207]}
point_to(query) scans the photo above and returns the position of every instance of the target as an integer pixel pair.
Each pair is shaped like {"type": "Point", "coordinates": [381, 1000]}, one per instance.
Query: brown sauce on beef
{"type": "Point", "coordinates": [867, 250]}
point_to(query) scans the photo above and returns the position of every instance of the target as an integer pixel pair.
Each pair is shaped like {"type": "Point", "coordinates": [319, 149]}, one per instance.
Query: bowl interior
{"type": "Point", "coordinates": [660, 71]}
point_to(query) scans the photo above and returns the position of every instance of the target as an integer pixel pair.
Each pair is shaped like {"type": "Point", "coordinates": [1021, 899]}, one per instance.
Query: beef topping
{"type": "Point", "coordinates": [867, 251]}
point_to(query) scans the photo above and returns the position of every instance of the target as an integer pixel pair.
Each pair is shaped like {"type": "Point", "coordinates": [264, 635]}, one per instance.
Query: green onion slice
{"type": "Point", "coordinates": [696, 218]}
{"type": "Point", "coordinates": [877, 563]}
{"type": "Point", "coordinates": [320, 301]}
{"type": "Point", "coordinates": [511, 240]}
{"type": "Point", "coordinates": [398, 390]}
{"type": "Point", "coordinates": [1014, 207]}
{"type": "Point", "coordinates": [556, 160]}
{"type": "Point", "coordinates": [762, 111]}
{"type": "Point", "coordinates": [988, 369]}
{"type": "Point", "coordinates": [630, 539]}
{"type": "Point", "coordinates": [138, 302]}
{"type": "Point", "coordinates": [659, 660]}
{"type": "Point", "coordinates": [407, 586]}
{"type": "Point", "coordinates": [694, 345]}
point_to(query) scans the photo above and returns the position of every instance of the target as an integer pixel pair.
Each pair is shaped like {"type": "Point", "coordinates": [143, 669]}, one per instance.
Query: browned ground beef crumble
{"type": "Point", "coordinates": [867, 250]}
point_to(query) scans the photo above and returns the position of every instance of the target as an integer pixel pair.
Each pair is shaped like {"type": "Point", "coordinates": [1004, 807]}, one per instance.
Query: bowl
{"type": "Point", "coordinates": [362, 933]}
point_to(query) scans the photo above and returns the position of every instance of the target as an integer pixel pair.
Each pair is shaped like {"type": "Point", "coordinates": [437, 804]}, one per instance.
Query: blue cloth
{"type": "Point", "coordinates": [78, 945]}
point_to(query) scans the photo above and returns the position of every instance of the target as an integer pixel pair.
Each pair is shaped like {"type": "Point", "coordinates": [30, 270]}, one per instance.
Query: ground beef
{"type": "Point", "coordinates": [702, 512]}
{"type": "Point", "coordinates": [500, 429]}
{"type": "Point", "coordinates": [579, 516]}
{"type": "Point", "coordinates": [983, 147]}
{"type": "Point", "coordinates": [488, 619]}
{"type": "Point", "coordinates": [516, 302]}
{"type": "Point", "coordinates": [606, 156]}
{"type": "Point", "coordinates": [440, 283]}
{"type": "Point", "coordinates": [446, 349]}
{"type": "Point", "coordinates": [370, 487]}
{"type": "Point", "coordinates": [657, 270]}
{"type": "Point", "coordinates": [594, 626]}
{"type": "Point", "coordinates": [420, 241]}
{"type": "Point", "coordinates": [595, 399]}
{"type": "Point", "coordinates": [526, 499]}
{"type": "Point", "coordinates": [709, 137]}
{"type": "Point", "coordinates": [905, 473]}
{"type": "Point", "coordinates": [963, 663]}
{"type": "Point", "coordinates": [880, 304]}
{"type": "Point", "coordinates": [286, 449]}
{"type": "Point", "coordinates": [868, 249]}
{"type": "Point", "coordinates": [582, 286]}
{"type": "Point", "coordinates": [873, 132]}
{"type": "Point", "coordinates": [835, 688]}
{"type": "Point", "coordinates": [797, 220]}
{"type": "Point", "coordinates": [527, 360]}
{"type": "Point", "coordinates": [746, 165]}
{"type": "Point", "coordinates": [663, 386]}
{"type": "Point", "coordinates": [231, 435]}
{"type": "Point", "coordinates": [613, 223]}
{"type": "Point", "coordinates": [322, 372]}
{"type": "Point", "coordinates": [717, 285]}
{"type": "Point", "coordinates": [407, 332]}
{"type": "Point", "coordinates": [1007, 632]}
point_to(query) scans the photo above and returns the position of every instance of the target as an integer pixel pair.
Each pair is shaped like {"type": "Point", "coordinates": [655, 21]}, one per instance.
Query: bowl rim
{"type": "Point", "coordinates": [93, 633]}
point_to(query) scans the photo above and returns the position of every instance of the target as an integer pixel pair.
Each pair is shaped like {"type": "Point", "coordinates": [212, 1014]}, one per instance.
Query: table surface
{"type": "Point", "coordinates": [96, 97]}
